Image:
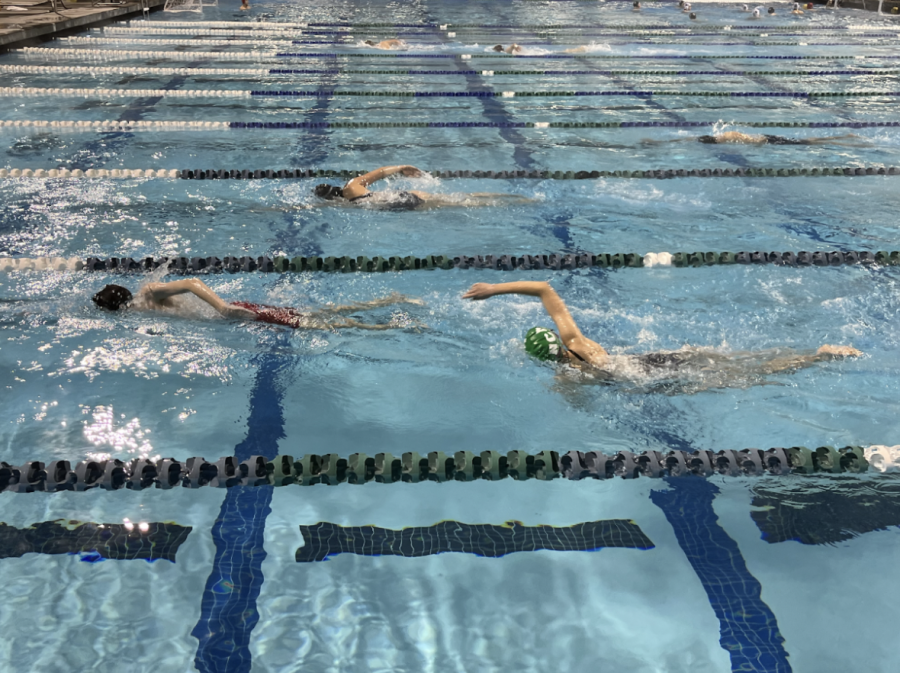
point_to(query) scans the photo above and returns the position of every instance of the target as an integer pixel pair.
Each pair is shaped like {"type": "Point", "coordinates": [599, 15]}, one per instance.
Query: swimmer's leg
{"type": "Point", "coordinates": [347, 323]}
{"type": "Point", "coordinates": [792, 361]}
{"type": "Point", "coordinates": [390, 300]}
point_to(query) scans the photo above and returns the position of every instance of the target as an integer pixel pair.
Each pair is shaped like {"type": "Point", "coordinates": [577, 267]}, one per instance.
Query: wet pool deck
{"type": "Point", "coordinates": [17, 28]}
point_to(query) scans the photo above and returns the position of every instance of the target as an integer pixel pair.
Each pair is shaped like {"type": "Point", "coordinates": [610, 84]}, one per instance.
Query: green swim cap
{"type": "Point", "coordinates": [542, 343]}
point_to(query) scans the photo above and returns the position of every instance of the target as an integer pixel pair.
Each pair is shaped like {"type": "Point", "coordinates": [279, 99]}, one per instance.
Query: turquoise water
{"type": "Point", "coordinates": [741, 574]}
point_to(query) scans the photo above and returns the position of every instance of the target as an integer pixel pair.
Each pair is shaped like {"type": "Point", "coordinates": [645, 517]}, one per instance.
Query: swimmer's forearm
{"type": "Point", "coordinates": [193, 286]}
{"type": "Point", "coordinates": [527, 287]}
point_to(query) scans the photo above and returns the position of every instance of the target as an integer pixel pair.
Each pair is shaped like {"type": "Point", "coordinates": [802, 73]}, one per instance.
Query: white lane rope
{"type": "Point", "coordinates": [128, 70]}
{"type": "Point", "coordinates": [27, 92]}
{"type": "Point", "coordinates": [174, 42]}
{"type": "Point", "coordinates": [212, 32]}
{"type": "Point", "coordinates": [119, 173]}
{"type": "Point", "coordinates": [256, 25]}
{"type": "Point", "coordinates": [112, 126]}
{"type": "Point", "coordinates": [112, 54]}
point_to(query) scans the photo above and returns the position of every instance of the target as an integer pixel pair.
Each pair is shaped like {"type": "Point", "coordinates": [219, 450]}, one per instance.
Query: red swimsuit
{"type": "Point", "coordinates": [276, 315]}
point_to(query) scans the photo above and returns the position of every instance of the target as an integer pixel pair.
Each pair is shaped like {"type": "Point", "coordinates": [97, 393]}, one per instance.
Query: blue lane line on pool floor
{"type": "Point", "coordinates": [747, 626]}
{"type": "Point", "coordinates": [228, 611]}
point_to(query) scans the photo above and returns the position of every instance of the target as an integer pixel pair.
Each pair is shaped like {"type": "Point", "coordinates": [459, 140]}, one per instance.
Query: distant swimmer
{"type": "Point", "coordinates": [511, 49]}
{"type": "Point", "coordinates": [745, 8]}
{"type": "Point", "coordinates": [387, 44]}
{"type": "Point", "coordinates": [568, 345]}
{"type": "Point", "coordinates": [686, 7]}
{"type": "Point", "coordinates": [636, 6]}
{"type": "Point", "coordinates": [165, 297]}
{"type": "Point", "coordinates": [245, 5]}
{"type": "Point", "coordinates": [796, 9]}
{"type": "Point", "coordinates": [693, 17]}
{"type": "Point", "coordinates": [771, 11]}
{"type": "Point", "coordinates": [356, 193]}
{"type": "Point", "coordinates": [755, 14]}
{"type": "Point", "coordinates": [736, 137]}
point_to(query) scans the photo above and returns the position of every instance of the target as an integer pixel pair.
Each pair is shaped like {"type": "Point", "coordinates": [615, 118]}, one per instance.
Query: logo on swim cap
{"type": "Point", "coordinates": [542, 343]}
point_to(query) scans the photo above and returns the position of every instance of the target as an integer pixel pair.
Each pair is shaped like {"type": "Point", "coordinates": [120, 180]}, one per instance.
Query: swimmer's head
{"type": "Point", "coordinates": [112, 297]}
{"type": "Point", "coordinates": [693, 16]}
{"type": "Point", "coordinates": [636, 4]}
{"type": "Point", "coordinates": [796, 6]}
{"type": "Point", "coordinates": [329, 192]}
{"type": "Point", "coordinates": [498, 47]}
{"type": "Point", "coordinates": [809, 5]}
{"type": "Point", "coordinates": [744, 8]}
{"type": "Point", "coordinates": [370, 43]}
{"type": "Point", "coordinates": [707, 139]}
{"type": "Point", "coordinates": [771, 10]}
{"type": "Point", "coordinates": [755, 14]}
{"type": "Point", "coordinates": [543, 344]}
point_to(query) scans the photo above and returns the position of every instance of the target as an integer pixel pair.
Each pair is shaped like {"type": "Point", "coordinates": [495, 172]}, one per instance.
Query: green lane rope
{"type": "Point", "coordinates": [360, 468]}
{"type": "Point", "coordinates": [348, 264]}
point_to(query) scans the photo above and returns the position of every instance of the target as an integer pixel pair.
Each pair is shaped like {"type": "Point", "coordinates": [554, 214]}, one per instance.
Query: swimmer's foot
{"type": "Point", "coordinates": [838, 351]}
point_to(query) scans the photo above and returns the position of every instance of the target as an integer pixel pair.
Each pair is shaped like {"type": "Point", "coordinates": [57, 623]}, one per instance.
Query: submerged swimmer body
{"type": "Point", "coordinates": [387, 44]}
{"type": "Point", "coordinates": [738, 138]}
{"type": "Point", "coordinates": [356, 192]}
{"type": "Point", "coordinates": [573, 348]}
{"type": "Point", "coordinates": [511, 49]}
{"type": "Point", "coordinates": [162, 297]}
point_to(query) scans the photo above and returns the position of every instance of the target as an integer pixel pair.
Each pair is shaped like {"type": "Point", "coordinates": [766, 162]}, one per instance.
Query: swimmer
{"type": "Point", "coordinates": [755, 14]}
{"type": "Point", "coordinates": [571, 347]}
{"type": "Point", "coordinates": [511, 49]}
{"type": "Point", "coordinates": [736, 137]}
{"type": "Point", "coordinates": [693, 16]}
{"type": "Point", "coordinates": [745, 8]}
{"type": "Point", "coordinates": [387, 44]}
{"type": "Point", "coordinates": [244, 5]}
{"type": "Point", "coordinates": [162, 297]}
{"type": "Point", "coordinates": [796, 9]}
{"type": "Point", "coordinates": [356, 192]}
{"type": "Point", "coordinates": [771, 11]}
{"type": "Point", "coordinates": [636, 6]}
{"type": "Point", "coordinates": [686, 7]}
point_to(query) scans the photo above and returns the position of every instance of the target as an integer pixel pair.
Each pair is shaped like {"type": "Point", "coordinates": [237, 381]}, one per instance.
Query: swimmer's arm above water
{"type": "Point", "coordinates": [556, 308]}
{"type": "Point", "coordinates": [382, 173]}
{"type": "Point", "coordinates": [159, 292]}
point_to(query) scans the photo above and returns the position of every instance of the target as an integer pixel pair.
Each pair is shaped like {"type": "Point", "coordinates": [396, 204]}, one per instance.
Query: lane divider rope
{"type": "Point", "coordinates": [379, 264]}
{"type": "Point", "coordinates": [260, 72]}
{"type": "Point", "coordinates": [149, 125]}
{"type": "Point", "coordinates": [359, 468]}
{"type": "Point", "coordinates": [25, 92]}
{"type": "Point", "coordinates": [262, 25]}
{"type": "Point", "coordinates": [292, 174]}
{"type": "Point", "coordinates": [351, 40]}
{"type": "Point", "coordinates": [110, 54]}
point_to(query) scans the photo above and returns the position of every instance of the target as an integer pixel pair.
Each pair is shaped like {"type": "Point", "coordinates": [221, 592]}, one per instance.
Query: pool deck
{"type": "Point", "coordinates": [17, 28]}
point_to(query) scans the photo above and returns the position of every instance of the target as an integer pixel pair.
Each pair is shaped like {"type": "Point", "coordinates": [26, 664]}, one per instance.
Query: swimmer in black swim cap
{"type": "Point", "coordinates": [636, 6]}
{"type": "Point", "coordinates": [693, 16]}
{"type": "Point", "coordinates": [511, 49]}
{"type": "Point", "coordinates": [387, 44]}
{"type": "Point", "coordinates": [771, 11]}
{"type": "Point", "coordinates": [570, 346]}
{"type": "Point", "coordinates": [356, 192]}
{"type": "Point", "coordinates": [164, 297]}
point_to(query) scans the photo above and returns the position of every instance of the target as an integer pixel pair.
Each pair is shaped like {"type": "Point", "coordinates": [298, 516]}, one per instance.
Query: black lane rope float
{"type": "Point", "coordinates": [360, 468]}
{"type": "Point", "coordinates": [869, 72]}
{"type": "Point", "coordinates": [376, 264]}
{"type": "Point", "coordinates": [554, 125]}
{"type": "Point", "coordinates": [568, 94]}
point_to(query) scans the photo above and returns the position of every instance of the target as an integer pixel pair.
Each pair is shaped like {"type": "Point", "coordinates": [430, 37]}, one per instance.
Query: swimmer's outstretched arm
{"type": "Point", "coordinates": [555, 307]}
{"type": "Point", "coordinates": [159, 292]}
{"type": "Point", "coordinates": [382, 173]}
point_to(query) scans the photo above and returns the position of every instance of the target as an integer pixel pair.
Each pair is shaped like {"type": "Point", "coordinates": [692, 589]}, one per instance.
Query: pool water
{"type": "Point", "coordinates": [676, 574]}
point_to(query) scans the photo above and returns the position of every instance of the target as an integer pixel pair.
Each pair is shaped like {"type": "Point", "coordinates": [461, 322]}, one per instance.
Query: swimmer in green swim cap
{"type": "Point", "coordinates": [570, 346]}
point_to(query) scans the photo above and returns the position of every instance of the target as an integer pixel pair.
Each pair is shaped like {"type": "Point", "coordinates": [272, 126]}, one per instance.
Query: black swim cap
{"type": "Point", "coordinates": [370, 43]}
{"type": "Point", "coordinates": [771, 10]}
{"type": "Point", "coordinates": [328, 192]}
{"type": "Point", "coordinates": [707, 139]}
{"type": "Point", "coordinates": [112, 297]}
{"type": "Point", "coordinates": [693, 16]}
{"type": "Point", "coordinates": [498, 47]}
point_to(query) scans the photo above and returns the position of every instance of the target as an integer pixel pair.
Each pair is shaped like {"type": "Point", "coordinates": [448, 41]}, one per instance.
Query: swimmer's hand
{"type": "Point", "coordinates": [479, 291]}
{"type": "Point", "coordinates": [238, 313]}
{"type": "Point", "coordinates": [411, 172]}
{"type": "Point", "coordinates": [829, 351]}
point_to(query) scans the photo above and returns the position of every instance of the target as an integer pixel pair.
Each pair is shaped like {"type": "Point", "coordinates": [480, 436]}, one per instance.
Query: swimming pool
{"type": "Point", "coordinates": [743, 573]}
